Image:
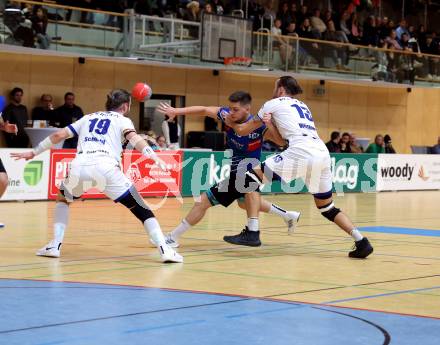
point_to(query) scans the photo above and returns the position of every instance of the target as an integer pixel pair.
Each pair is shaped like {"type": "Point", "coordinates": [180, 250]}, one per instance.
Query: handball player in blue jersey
{"type": "Point", "coordinates": [246, 152]}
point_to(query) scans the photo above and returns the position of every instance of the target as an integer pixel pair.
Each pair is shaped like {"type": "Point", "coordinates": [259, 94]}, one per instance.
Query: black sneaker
{"type": "Point", "coordinates": [245, 238]}
{"type": "Point", "coordinates": [363, 249]}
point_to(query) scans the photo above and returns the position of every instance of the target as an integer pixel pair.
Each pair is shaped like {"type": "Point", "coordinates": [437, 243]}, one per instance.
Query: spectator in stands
{"type": "Point", "coordinates": [312, 48]}
{"type": "Point", "coordinates": [16, 113]}
{"type": "Point", "coordinates": [293, 12]}
{"type": "Point", "coordinates": [333, 144]}
{"type": "Point", "coordinates": [161, 142]}
{"type": "Point", "coordinates": [338, 53]}
{"type": "Point", "coordinates": [401, 29]}
{"type": "Point", "coordinates": [353, 26]}
{"type": "Point", "coordinates": [46, 111]}
{"type": "Point", "coordinates": [412, 31]}
{"type": "Point", "coordinates": [39, 24]}
{"type": "Point", "coordinates": [381, 70]}
{"type": "Point", "coordinates": [317, 23]}
{"type": "Point", "coordinates": [302, 14]}
{"type": "Point", "coordinates": [388, 145]}
{"type": "Point", "coordinates": [269, 15]}
{"type": "Point", "coordinates": [285, 16]}
{"type": "Point", "coordinates": [436, 148]}
{"type": "Point", "coordinates": [344, 143]}
{"type": "Point", "coordinates": [392, 40]}
{"type": "Point", "coordinates": [20, 27]}
{"type": "Point", "coordinates": [218, 7]}
{"type": "Point", "coordinates": [281, 42]}
{"type": "Point", "coordinates": [208, 9]}
{"type": "Point", "coordinates": [328, 15]}
{"type": "Point", "coordinates": [371, 36]}
{"type": "Point", "coordinates": [432, 64]}
{"type": "Point", "coordinates": [87, 17]}
{"type": "Point", "coordinates": [421, 36]}
{"type": "Point", "coordinates": [383, 29]}
{"type": "Point", "coordinates": [192, 13]}
{"type": "Point", "coordinates": [344, 23]}
{"type": "Point", "coordinates": [354, 146]}
{"type": "Point", "coordinates": [66, 114]}
{"type": "Point", "coordinates": [255, 13]}
{"type": "Point", "coordinates": [172, 132]}
{"type": "Point", "coordinates": [377, 146]}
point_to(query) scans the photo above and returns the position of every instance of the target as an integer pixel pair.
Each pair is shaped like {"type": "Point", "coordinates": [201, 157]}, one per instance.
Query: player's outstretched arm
{"type": "Point", "coordinates": [8, 127]}
{"type": "Point", "coordinates": [197, 110]}
{"type": "Point", "coordinates": [45, 145]}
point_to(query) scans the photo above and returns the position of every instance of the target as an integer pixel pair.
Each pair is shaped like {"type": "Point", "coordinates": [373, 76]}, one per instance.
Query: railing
{"type": "Point", "coordinates": [96, 32]}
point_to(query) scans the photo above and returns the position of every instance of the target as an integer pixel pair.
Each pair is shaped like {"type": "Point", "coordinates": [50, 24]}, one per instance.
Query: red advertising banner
{"type": "Point", "coordinates": [147, 177]}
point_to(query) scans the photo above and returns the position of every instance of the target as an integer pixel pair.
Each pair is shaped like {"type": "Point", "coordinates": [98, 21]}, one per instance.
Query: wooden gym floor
{"type": "Point", "coordinates": [110, 287]}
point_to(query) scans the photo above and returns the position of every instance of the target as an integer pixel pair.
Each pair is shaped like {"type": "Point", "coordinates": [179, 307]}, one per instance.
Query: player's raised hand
{"type": "Point", "coordinates": [23, 155]}
{"type": "Point", "coordinates": [165, 108]}
{"type": "Point", "coordinates": [10, 128]}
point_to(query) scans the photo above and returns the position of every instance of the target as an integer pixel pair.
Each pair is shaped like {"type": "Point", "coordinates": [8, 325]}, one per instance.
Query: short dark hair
{"type": "Point", "coordinates": [242, 97]}
{"type": "Point", "coordinates": [15, 90]}
{"type": "Point", "coordinates": [345, 133]}
{"type": "Point", "coordinates": [334, 135]}
{"type": "Point", "coordinates": [69, 94]}
{"type": "Point", "coordinates": [290, 84]}
{"type": "Point", "coordinates": [116, 98]}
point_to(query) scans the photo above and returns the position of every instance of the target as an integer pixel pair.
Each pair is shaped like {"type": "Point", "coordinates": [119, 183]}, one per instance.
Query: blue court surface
{"type": "Point", "coordinates": [400, 231]}
{"type": "Point", "coordinates": [49, 313]}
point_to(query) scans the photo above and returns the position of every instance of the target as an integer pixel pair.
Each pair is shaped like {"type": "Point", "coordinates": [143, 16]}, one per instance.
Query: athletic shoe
{"type": "Point", "coordinates": [2, 225]}
{"type": "Point", "coordinates": [291, 221]}
{"type": "Point", "coordinates": [52, 250]}
{"type": "Point", "coordinates": [363, 249]}
{"type": "Point", "coordinates": [245, 238]}
{"type": "Point", "coordinates": [169, 255]}
{"type": "Point", "coordinates": [168, 240]}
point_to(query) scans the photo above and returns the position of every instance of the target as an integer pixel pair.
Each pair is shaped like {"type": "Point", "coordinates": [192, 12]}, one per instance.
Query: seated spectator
{"type": "Point", "coordinates": [353, 25]}
{"type": "Point", "coordinates": [161, 142]}
{"type": "Point", "coordinates": [207, 9]}
{"type": "Point", "coordinates": [344, 143]}
{"type": "Point", "coordinates": [383, 29]}
{"type": "Point", "coordinates": [312, 48]}
{"type": "Point", "coordinates": [421, 36]}
{"type": "Point", "coordinates": [354, 146]}
{"type": "Point", "coordinates": [281, 42]}
{"type": "Point", "coordinates": [67, 114]}
{"type": "Point", "coordinates": [343, 23]}
{"type": "Point", "coordinates": [432, 64]}
{"type": "Point", "coordinates": [192, 13]}
{"type": "Point", "coordinates": [285, 16]}
{"type": "Point", "coordinates": [377, 146]}
{"type": "Point", "coordinates": [269, 14]}
{"type": "Point", "coordinates": [39, 24]}
{"type": "Point", "coordinates": [16, 113]}
{"type": "Point", "coordinates": [436, 148]}
{"type": "Point", "coordinates": [333, 144]}
{"type": "Point", "coordinates": [339, 54]}
{"type": "Point", "coordinates": [87, 17]}
{"type": "Point", "coordinates": [45, 112]}
{"type": "Point", "coordinates": [392, 40]}
{"type": "Point", "coordinates": [172, 132]}
{"type": "Point", "coordinates": [388, 145]}
{"type": "Point", "coordinates": [401, 29]}
{"type": "Point", "coordinates": [302, 14]}
{"type": "Point", "coordinates": [328, 15]}
{"type": "Point", "coordinates": [293, 12]}
{"type": "Point", "coordinates": [317, 23]}
{"type": "Point", "coordinates": [381, 70]}
{"type": "Point", "coordinates": [291, 30]}
{"type": "Point", "coordinates": [371, 36]}
{"type": "Point", "coordinates": [20, 27]}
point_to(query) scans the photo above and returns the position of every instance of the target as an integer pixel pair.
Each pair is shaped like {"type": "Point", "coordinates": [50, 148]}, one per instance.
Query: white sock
{"type": "Point", "coordinates": [180, 229]}
{"type": "Point", "coordinates": [275, 209]}
{"type": "Point", "coordinates": [152, 227]}
{"type": "Point", "coordinates": [253, 224]}
{"type": "Point", "coordinates": [356, 235]}
{"type": "Point", "coordinates": [60, 222]}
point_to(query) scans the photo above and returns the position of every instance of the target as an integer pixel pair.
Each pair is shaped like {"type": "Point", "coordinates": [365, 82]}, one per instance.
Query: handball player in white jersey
{"type": "Point", "coordinates": [98, 164]}
{"type": "Point", "coordinates": [306, 157]}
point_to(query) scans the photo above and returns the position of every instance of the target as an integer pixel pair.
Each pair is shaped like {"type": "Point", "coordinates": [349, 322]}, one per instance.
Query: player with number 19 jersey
{"type": "Point", "coordinates": [100, 136]}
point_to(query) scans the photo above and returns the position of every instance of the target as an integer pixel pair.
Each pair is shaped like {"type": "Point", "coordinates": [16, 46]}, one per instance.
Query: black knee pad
{"type": "Point", "coordinates": [329, 211]}
{"type": "Point", "coordinates": [137, 207]}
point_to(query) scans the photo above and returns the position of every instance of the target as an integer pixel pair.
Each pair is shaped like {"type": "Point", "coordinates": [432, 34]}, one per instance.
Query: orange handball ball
{"type": "Point", "coordinates": [141, 92]}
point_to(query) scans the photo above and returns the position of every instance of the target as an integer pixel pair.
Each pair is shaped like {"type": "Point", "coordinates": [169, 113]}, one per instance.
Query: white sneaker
{"type": "Point", "coordinates": [291, 221]}
{"type": "Point", "coordinates": [52, 250]}
{"type": "Point", "coordinates": [168, 255]}
{"type": "Point", "coordinates": [2, 225]}
{"type": "Point", "coordinates": [168, 240]}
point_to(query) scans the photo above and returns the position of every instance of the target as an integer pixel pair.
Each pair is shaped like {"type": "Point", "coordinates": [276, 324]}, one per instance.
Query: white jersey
{"type": "Point", "coordinates": [294, 121]}
{"type": "Point", "coordinates": [100, 134]}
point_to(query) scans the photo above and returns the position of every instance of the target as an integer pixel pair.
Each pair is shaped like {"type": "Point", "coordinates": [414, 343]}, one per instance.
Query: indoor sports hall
{"type": "Point", "coordinates": [108, 283]}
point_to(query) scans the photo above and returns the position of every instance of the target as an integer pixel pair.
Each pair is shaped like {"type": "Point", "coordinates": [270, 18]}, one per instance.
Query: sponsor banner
{"type": "Point", "coordinates": [149, 179]}
{"type": "Point", "coordinates": [351, 173]}
{"type": "Point", "coordinates": [28, 180]}
{"type": "Point", "coordinates": [408, 172]}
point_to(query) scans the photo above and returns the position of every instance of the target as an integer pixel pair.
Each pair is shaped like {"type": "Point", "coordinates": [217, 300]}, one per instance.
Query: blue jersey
{"type": "Point", "coordinates": [242, 147]}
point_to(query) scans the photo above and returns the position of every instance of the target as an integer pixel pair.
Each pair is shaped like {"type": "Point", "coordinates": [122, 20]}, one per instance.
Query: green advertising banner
{"type": "Point", "coordinates": [351, 173]}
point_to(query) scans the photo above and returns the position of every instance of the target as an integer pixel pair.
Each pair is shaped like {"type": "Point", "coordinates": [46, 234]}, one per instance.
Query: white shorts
{"type": "Point", "coordinates": [311, 165]}
{"type": "Point", "coordinates": [106, 176]}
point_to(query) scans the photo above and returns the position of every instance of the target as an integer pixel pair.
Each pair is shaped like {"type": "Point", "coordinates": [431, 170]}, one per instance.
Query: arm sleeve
{"type": "Point", "coordinates": [268, 107]}
{"type": "Point", "coordinates": [126, 125]}
{"type": "Point", "coordinates": [76, 126]}
{"type": "Point", "coordinates": [166, 132]}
